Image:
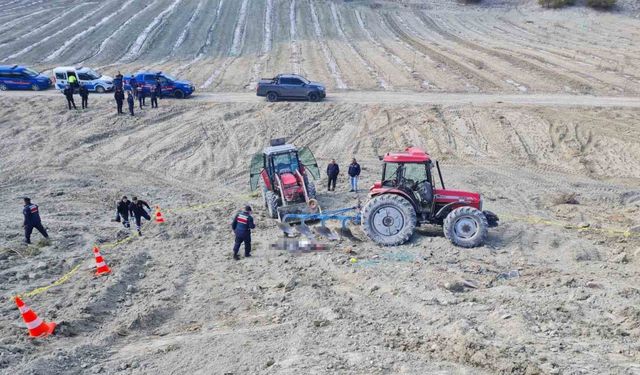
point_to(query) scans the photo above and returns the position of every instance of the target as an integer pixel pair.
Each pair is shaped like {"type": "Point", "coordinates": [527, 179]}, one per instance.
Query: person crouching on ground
{"type": "Point", "coordinates": [136, 209]}
{"type": "Point", "coordinates": [242, 224]}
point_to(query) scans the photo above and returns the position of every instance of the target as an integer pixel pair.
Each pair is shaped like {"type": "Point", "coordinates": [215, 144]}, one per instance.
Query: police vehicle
{"type": "Point", "coordinates": [170, 85]}
{"type": "Point", "coordinates": [16, 77]}
{"type": "Point", "coordinates": [88, 77]}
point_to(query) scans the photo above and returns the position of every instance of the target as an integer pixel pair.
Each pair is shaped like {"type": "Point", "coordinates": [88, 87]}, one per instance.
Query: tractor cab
{"type": "Point", "coordinates": [281, 170]}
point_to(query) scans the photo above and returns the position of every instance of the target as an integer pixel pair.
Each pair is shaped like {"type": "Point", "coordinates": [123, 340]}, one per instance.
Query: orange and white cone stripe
{"type": "Point", "coordinates": [159, 217]}
{"type": "Point", "coordinates": [101, 265]}
{"type": "Point", "coordinates": [36, 326]}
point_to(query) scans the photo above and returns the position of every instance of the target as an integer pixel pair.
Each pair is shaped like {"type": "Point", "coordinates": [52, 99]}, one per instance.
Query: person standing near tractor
{"type": "Point", "coordinates": [32, 220]}
{"type": "Point", "coordinates": [68, 93]}
{"type": "Point", "coordinates": [242, 224]}
{"type": "Point", "coordinates": [333, 170]}
{"type": "Point", "coordinates": [354, 174]}
{"type": "Point", "coordinates": [84, 95]}
{"type": "Point", "coordinates": [136, 209]}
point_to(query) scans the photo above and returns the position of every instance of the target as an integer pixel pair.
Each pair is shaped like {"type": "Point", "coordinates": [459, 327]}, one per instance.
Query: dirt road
{"type": "Point", "coordinates": [378, 97]}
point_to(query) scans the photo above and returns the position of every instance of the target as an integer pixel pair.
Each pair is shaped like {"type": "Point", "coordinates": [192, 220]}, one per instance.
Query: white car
{"type": "Point", "coordinates": [86, 76]}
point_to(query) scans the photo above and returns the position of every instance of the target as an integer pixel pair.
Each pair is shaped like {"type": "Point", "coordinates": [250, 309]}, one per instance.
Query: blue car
{"type": "Point", "coordinates": [16, 77]}
{"type": "Point", "coordinates": [170, 85]}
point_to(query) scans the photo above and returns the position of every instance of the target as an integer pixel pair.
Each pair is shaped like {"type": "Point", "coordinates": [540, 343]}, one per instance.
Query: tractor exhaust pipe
{"type": "Point", "coordinates": [440, 175]}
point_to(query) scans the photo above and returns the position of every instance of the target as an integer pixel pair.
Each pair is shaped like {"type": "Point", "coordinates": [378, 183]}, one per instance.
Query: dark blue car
{"type": "Point", "coordinates": [16, 77]}
{"type": "Point", "coordinates": [170, 85]}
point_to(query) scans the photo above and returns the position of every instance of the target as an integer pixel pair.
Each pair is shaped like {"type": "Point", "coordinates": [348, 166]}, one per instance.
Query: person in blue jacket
{"type": "Point", "coordinates": [354, 174]}
{"type": "Point", "coordinates": [32, 220]}
{"type": "Point", "coordinates": [242, 224]}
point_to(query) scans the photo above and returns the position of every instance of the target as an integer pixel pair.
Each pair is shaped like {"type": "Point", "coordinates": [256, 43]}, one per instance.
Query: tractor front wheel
{"type": "Point", "coordinates": [272, 204]}
{"type": "Point", "coordinates": [389, 220]}
{"type": "Point", "coordinates": [466, 227]}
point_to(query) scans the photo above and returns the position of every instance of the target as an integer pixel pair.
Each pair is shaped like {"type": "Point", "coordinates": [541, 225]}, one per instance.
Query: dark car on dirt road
{"type": "Point", "coordinates": [290, 86]}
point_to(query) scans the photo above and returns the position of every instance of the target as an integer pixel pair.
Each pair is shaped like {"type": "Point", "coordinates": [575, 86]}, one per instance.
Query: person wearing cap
{"type": "Point", "coordinates": [242, 224]}
{"type": "Point", "coordinates": [122, 211]}
{"type": "Point", "coordinates": [136, 209]}
{"type": "Point", "coordinates": [32, 220]}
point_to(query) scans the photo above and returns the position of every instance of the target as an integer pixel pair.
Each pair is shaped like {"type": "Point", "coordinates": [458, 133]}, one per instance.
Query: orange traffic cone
{"type": "Point", "coordinates": [37, 327]}
{"type": "Point", "coordinates": [159, 217]}
{"type": "Point", "coordinates": [101, 266]}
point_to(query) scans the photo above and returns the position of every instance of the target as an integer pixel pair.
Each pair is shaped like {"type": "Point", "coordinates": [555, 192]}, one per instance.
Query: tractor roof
{"type": "Point", "coordinates": [279, 149]}
{"type": "Point", "coordinates": [410, 155]}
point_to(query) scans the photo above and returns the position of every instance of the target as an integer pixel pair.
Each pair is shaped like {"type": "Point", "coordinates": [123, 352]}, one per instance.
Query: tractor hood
{"type": "Point", "coordinates": [448, 196]}
{"type": "Point", "coordinates": [288, 179]}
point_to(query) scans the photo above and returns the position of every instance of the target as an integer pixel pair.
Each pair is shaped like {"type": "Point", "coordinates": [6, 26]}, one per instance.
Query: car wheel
{"type": "Point", "coordinates": [178, 94]}
{"type": "Point", "coordinates": [314, 97]}
{"type": "Point", "coordinates": [100, 89]}
{"type": "Point", "coordinates": [3, 87]}
{"type": "Point", "coordinates": [35, 87]}
{"type": "Point", "coordinates": [272, 97]}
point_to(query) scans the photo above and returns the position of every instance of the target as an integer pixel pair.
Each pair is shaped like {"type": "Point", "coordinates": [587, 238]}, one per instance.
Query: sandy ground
{"type": "Point", "coordinates": [537, 110]}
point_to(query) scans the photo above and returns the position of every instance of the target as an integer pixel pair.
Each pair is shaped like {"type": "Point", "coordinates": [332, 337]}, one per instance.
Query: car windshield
{"type": "Point", "coordinates": [31, 72]}
{"type": "Point", "coordinates": [93, 74]}
{"type": "Point", "coordinates": [286, 162]}
{"type": "Point", "coordinates": [306, 81]}
{"type": "Point", "coordinates": [169, 77]}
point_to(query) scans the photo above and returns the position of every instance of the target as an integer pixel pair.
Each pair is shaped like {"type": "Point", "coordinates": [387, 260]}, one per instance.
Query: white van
{"type": "Point", "coordinates": [86, 76]}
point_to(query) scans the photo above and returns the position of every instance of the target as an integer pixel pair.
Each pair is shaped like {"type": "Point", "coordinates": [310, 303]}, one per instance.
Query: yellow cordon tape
{"type": "Point", "coordinates": [537, 220]}
{"type": "Point", "coordinates": [61, 280]}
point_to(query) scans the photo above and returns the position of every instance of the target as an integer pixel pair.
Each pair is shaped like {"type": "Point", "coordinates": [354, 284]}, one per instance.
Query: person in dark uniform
{"type": "Point", "coordinates": [140, 94]}
{"type": "Point", "coordinates": [119, 96]}
{"type": "Point", "coordinates": [122, 211]}
{"type": "Point", "coordinates": [156, 93]}
{"type": "Point", "coordinates": [84, 94]}
{"type": "Point", "coordinates": [242, 224]}
{"type": "Point", "coordinates": [130, 102]}
{"type": "Point", "coordinates": [117, 81]}
{"type": "Point", "coordinates": [68, 93]}
{"type": "Point", "coordinates": [136, 209]}
{"type": "Point", "coordinates": [32, 220]}
{"type": "Point", "coordinates": [332, 173]}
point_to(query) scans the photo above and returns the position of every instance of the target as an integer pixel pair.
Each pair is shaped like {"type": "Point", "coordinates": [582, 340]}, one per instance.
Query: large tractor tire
{"type": "Point", "coordinates": [389, 220]}
{"type": "Point", "coordinates": [272, 204]}
{"type": "Point", "coordinates": [466, 227]}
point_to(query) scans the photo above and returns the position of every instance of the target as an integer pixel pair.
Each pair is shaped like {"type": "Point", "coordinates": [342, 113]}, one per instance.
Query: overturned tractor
{"type": "Point", "coordinates": [282, 173]}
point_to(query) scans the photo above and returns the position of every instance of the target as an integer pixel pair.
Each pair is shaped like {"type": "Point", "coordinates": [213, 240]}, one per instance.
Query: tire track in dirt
{"type": "Point", "coordinates": [41, 27]}
{"type": "Point", "coordinates": [208, 41]}
{"type": "Point", "coordinates": [422, 82]}
{"type": "Point", "coordinates": [361, 57]}
{"type": "Point", "coordinates": [328, 55]}
{"type": "Point", "coordinates": [295, 60]}
{"type": "Point", "coordinates": [513, 60]}
{"type": "Point", "coordinates": [463, 71]}
{"type": "Point", "coordinates": [136, 48]}
{"type": "Point", "coordinates": [265, 55]}
{"type": "Point", "coordinates": [55, 54]}
{"type": "Point", "coordinates": [73, 24]}
{"type": "Point", "coordinates": [236, 45]}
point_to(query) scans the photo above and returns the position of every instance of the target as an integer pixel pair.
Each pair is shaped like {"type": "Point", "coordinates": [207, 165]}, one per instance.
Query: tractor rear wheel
{"type": "Point", "coordinates": [466, 227]}
{"type": "Point", "coordinates": [272, 204]}
{"type": "Point", "coordinates": [389, 220]}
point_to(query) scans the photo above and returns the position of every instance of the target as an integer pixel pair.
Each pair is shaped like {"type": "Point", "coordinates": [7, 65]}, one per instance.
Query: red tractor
{"type": "Point", "coordinates": [406, 197]}
{"type": "Point", "coordinates": [282, 172]}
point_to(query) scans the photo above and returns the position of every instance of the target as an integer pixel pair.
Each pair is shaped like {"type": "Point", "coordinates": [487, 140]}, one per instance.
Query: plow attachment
{"type": "Point", "coordinates": [344, 215]}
